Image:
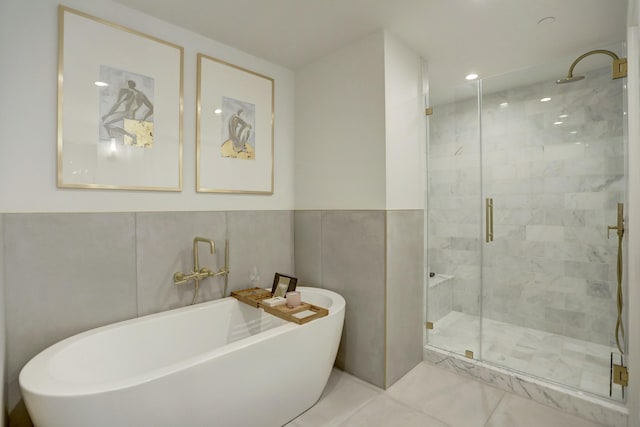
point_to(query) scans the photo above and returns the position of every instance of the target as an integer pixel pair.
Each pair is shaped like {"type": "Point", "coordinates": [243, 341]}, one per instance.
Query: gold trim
{"type": "Point", "coordinates": [468, 354]}
{"type": "Point", "coordinates": [428, 111]}
{"type": "Point", "coordinates": [619, 68]}
{"type": "Point", "coordinates": [620, 375]}
{"type": "Point", "coordinates": [428, 325]}
{"type": "Point", "coordinates": [59, 165]}
{"type": "Point", "coordinates": [199, 188]}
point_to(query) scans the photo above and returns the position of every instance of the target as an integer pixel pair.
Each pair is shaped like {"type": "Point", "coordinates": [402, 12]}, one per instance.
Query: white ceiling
{"type": "Point", "coordinates": [455, 36]}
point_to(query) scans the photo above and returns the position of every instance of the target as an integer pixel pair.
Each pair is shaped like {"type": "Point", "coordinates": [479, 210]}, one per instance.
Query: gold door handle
{"type": "Point", "coordinates": [489, 220]}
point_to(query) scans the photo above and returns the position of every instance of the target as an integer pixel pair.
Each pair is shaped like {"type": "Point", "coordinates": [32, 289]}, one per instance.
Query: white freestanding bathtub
{"type": "Point", "coordinates": [221, 363]}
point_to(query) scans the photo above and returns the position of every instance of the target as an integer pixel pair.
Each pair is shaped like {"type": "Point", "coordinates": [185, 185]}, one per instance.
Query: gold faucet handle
{"type": "Point", "coordinates": [179, 278]}
{"type": "Point", "coordinates": [204, 271]}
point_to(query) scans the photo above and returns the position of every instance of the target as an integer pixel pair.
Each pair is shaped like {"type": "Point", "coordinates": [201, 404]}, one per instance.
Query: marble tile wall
{"type": "Point", "coordinates": [375, 260]}
{"type": "Point", "coordinates": [66, 273]}
{"type": "Point", "coordinates": [439, 298]}
{"type": "Point", "coordinates": [454, 209]}
{"type": "Point", "coordinates": [555, 188]}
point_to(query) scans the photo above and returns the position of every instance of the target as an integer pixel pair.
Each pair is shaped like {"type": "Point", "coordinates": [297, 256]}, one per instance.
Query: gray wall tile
{"type": "Point", "coordinates": [353, 264]}
{"type": "Point", "coordinates": [262, 239]}
{"type": "Point", "coordinates": [165, 246]}
{"type": "Point", "coordinates": [65, 273]}
{"type": "Point", "coordinates": [405, 292]}
{"type": "Point", "coordinates": [308, 246]}
{"type": "Point", "coordinates": [87, 270]}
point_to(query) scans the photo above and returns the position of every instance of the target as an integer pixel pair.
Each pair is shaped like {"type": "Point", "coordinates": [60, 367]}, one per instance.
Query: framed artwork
{"type": "Point", "coordinates": [119, 107]}
{"type": "Point", "coordinates": [283, 284]}
{"type": "Point", "coordinates": [234, 129]}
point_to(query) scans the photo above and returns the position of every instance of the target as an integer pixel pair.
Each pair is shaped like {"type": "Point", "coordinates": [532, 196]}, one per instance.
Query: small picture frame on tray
{"type": "Point", "coordinates": [283, 284]}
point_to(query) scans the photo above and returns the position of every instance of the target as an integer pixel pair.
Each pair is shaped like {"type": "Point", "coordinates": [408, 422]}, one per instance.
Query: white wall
{"type": "Point", "coordinates": [28, 76]}
{"type": "Point", "coordinates": [405, 126]}
{"type": "Point", "coordinates": [340, 136]}
{"type": "Point", "coordinates": [633, 13]}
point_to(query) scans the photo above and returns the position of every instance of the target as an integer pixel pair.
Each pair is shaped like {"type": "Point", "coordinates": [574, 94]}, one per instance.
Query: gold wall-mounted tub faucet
{"type": "Point", "coordinates": [200, 273]}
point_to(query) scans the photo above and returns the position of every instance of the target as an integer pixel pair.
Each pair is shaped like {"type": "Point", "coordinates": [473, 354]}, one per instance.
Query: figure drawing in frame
{"type": "Point", "coordinates": [238, 129]}
{"type": "Point", "coordinates": [126, 107]}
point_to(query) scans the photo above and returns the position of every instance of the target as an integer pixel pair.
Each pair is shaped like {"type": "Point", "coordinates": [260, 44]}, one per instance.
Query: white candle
{"type": "Point", "coordinates": [293, 299]}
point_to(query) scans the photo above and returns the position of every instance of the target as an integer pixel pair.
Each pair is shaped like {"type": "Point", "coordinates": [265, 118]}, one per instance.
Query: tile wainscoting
{"type": "Point", "coordinates": [375, 260]}
{"type": "Point", "coordinates": [69, 272]}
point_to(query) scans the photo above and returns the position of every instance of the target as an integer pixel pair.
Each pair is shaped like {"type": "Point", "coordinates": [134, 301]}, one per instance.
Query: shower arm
{"type": "Point", "coordinates": [618, 67]}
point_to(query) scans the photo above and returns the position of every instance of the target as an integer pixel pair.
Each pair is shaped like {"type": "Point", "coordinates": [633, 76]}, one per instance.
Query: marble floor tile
{"type": "Point", "coordinates": [383, 411]}
{"type": "Point", "coordinates": [432, 391]}
{"type": "Point", "coordinates": [427, 396]}
{"type": "Point", "coordinates": [341, 398]}
{"type": "Point", "coordinates": [569, 361]}
{"type": "Point", "coordinates": [515, 411]}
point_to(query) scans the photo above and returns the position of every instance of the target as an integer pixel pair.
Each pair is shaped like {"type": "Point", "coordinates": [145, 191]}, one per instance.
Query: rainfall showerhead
{"type": "Point", "coordinates": [569, 79]}
{"type": "Point", "coordinates": [618, 67]}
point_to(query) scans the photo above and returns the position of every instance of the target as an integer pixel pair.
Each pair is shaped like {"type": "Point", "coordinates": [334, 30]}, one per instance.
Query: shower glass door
{"type": "Point", "coordinates": [553, 165]}
{"type": "Point", "coordinates": [453, 224]}
{"type": "Point", "coordinates": [524, 179]}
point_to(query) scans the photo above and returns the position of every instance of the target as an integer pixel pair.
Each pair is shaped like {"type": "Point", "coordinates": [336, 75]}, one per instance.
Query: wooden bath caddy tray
{"type": "Point", "coordinates": [254, 296]}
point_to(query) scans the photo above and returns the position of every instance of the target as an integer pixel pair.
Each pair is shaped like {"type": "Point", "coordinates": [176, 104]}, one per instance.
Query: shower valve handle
{"type": "Point", "coordinates": [619, 227]}
{"type": "Point", "coordinates": [609, 228]}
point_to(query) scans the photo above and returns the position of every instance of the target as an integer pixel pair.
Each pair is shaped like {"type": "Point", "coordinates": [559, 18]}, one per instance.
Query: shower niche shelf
{"type": "Point", "coordinates": [302, 314]}
{"type": "Point", "coordinates": [439, 279]}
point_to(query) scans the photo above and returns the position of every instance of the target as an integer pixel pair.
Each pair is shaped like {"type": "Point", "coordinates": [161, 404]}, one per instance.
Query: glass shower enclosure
{"type": "Point", "coordinates": [524, 181]}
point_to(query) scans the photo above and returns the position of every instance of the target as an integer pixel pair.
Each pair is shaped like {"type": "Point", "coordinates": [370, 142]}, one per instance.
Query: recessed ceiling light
{"type": "Point", "coordinates": [101, 84]}
{"type": "Point", "coordinates": [573, 132]}
{"type": "Point", "coordinates": [217, 111]}
{"type": "Point", "coordinates": [504, 104]}
{"type": "Point", "coordinates": [558, 123]}
{"type": "Point", "coordinates": [563, 116]}
{"type": "Point", "coordinates": [545, 99]}
{"type": "Point", "coordinates": [471, 76]}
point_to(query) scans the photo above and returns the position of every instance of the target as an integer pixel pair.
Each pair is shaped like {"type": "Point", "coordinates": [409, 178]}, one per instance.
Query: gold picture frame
{"type": "Point", "coordinates": [120, 106]}
{"type": "Point", "coordinates": [234, 129]}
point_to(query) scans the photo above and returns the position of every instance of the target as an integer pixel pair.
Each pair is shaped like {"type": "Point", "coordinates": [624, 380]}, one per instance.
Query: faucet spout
{"type": "Point", "coordinates": [198, 273]}
{"type": "Point", "coordinates": [196, 261]}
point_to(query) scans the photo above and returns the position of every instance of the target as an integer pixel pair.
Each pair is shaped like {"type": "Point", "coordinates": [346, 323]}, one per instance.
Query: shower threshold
{"type": "Point", "coordinates": [559, 371]}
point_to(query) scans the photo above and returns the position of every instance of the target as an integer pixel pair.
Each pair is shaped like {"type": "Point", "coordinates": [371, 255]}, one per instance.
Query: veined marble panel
{"type": "Point", "coordinates": [545, 233]}
{"type": "Point", "coordinates": [563, 151]}
{"type": "Point", "coordinates": [593, 201]}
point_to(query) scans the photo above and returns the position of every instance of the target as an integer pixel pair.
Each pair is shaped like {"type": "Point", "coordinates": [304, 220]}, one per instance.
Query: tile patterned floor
{"type": "Point", "coordinates": [427, 396]}
{"type": "Point", "coordinates": [569, 361]}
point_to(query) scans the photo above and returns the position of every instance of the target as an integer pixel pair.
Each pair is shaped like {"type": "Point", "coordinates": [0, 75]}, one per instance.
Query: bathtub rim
{"type": "Point", "coordinates": [48, 385]}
